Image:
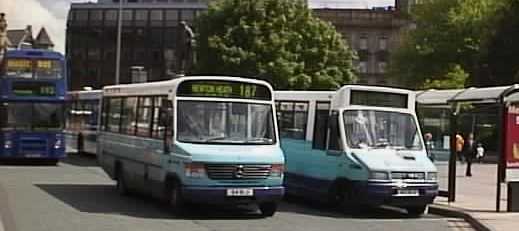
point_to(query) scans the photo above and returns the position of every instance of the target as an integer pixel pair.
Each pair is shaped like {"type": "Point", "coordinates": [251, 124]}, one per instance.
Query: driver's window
{"type": "Point", "coordinates": [334, 136]}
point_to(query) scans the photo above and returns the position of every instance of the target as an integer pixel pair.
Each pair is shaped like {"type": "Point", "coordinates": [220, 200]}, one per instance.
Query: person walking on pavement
{"type": "Point", "coordinates": [429, 146]}
{"type": "Point", "coordinates": [469, 152]}
{"type": "Point", "coordinates": [459, 147]}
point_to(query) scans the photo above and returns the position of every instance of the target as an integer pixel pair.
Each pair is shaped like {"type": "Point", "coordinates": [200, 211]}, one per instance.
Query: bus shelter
{"type": "Point", "coordinates": [477, 111]}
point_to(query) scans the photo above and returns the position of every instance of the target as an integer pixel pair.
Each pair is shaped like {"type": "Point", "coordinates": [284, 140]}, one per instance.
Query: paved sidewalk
{"type": "Point", "coordinates": [476, 196]}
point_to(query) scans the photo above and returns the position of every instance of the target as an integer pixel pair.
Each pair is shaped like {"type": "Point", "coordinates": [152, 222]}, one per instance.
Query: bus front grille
{"type": "Point", "coordinates": [408, 175]}
{"type": "Point", "coordinates": [33, 145]}
{"type": "Point", "coordinates": [237, 171]}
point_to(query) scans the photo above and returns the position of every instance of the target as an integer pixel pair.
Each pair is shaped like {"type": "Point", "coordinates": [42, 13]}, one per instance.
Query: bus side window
{"type": "Point", "coordinates": [334, 137]}
{"type": "Point", "coordinates": [322, 111]}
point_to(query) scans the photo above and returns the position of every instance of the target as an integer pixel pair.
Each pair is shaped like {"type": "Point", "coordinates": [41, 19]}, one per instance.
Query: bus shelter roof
{"type": "Point", "coordinates": [436, 97]}
{"type": "Point", "coordinates": [480, 95]}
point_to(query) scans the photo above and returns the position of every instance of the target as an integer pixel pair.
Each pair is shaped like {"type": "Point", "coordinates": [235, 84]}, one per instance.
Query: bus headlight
{"type": "Point", "coordinates": [276, 170]}
{"type": "Point", "coordinates": [194, 170]}
{"type": "Point", "coordinates": [58, 144]}
{"type": "Point", "coordinates": [8, 144]}
{"type": "Point", "coordinates": [432, 176]}
{"type": "Point", "coordinates": [377, 175]}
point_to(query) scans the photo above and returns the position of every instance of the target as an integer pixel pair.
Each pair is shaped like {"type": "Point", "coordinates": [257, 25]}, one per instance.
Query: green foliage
{"type": "Point", "coordinates": [454, 79]}
{"type": "Point", "coordinates": [276, 40]}
{"type": "Point", "coordinates": [448, 33]}
{"type": "Point", "coordinates": [503, 48]}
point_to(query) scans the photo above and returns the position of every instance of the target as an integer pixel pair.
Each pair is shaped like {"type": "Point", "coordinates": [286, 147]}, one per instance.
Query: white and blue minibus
{"type": "Point", "coordinates": [81, 121]}
{"type": "Point", "coordinates": [359, 145]}
{"type": "Point", "coordinates": [194, 140]}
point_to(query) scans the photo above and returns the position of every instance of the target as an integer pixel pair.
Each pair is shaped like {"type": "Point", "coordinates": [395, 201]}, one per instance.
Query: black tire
{"type": "Point", "coordinates": [268, 209]}
{"type": "Point", "coordinates": [121, 186]}
{"type": "Point", "coordinates": [416, 211]}
{"type": "Point", "coordinates": [175, 201]}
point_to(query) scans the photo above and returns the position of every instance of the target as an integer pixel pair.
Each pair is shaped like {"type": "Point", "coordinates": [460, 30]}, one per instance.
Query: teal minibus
{"type": "Point", "coordinates": [357, 146]}
{"type": "Point", "coordinates": [194, 140]}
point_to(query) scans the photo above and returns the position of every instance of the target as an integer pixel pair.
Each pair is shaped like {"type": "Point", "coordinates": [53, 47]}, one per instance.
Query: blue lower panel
{"type": "Point", "coordinates": [218, 195]}
{"type": "Point", "coordinates": [379, 194]}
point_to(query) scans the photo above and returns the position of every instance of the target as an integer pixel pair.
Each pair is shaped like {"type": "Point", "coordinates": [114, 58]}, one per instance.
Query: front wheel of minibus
{"type": "Point", "coordinates": [416, 211]}
{"type": "Point", "coordinates": [268, 209]}
{"type": "Point", "coordinates": [121, 186]}
{"type": "Point", "coordinates": [174, 198]}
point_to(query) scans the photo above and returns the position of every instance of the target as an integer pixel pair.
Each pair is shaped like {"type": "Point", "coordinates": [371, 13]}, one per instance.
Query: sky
{"type": "Point", "coordinates": [53, 14]}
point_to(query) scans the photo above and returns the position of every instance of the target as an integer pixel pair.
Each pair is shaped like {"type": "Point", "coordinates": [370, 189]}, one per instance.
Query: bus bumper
{"type": "Point", "coordinates": [389, 194]}
{"type": "Point", "coordinates": [218, 195]}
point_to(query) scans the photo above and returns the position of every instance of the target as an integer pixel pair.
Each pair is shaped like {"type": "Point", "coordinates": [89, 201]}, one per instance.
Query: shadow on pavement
{"type": "Point", "coordinates": [104, 199]}
{"type": "Point", "coordinates": [28, 162]}
{"type": "Point", "coordinates": [81, 160]}
{"type": "Point", "coordinates": [302, 206]}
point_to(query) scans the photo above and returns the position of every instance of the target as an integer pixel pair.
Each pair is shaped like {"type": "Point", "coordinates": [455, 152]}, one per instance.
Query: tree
{"type": "Point", "coordinates": [503, 49]}
{"type": "Point", "coordinates": [449, 35]}
{"type": "Point", "coordinates": [276, 40]}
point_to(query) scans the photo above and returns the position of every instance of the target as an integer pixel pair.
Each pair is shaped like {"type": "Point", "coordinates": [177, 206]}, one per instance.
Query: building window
{"type": "Point", "coordinates": [141, 15]}
{"type": "Point", "coordinates": [127, 15]}
{"type": "Point", "coordinates": [111, 15]}
{"type": "Point", "coordinates": [188, 15]}
{"type": "Point", "coordinates": [96, 15]}
{"type": "Point", "coordinates": [171, 17]}
{"type": "Point", "coordinates": [82, 15]}
{"type": "Point", "coordinates": [156, 15]}
{"type": "Point", "coordinates": [363, 43]}
{"type": "Point", "coordinates": [292, 118]}
{"type": "Point", "coordinates": [382, 43]}
{"type": "Point", "coordinates": [363, 67]}
{"type": "Point", "coordinates": [382, 67]}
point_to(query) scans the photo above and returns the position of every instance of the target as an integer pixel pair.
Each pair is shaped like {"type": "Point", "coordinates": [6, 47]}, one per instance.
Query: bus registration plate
{"type": "Point", "coordinates": [32, 155]}
{"type": "Point", "coordinates": [240, 192]}
{"type": "Point", "coordinates": [408, 192]}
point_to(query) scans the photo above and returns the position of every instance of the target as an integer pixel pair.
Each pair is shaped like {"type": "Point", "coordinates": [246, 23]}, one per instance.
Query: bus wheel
{"type": "Point", "coordinates": [121, 186]}
{"type": "Point", "coordinates": [174, 197]}
{"type": "Point", "coordinates": [416, 211]}
{"type": "Point", "coordinates": [268, 209]}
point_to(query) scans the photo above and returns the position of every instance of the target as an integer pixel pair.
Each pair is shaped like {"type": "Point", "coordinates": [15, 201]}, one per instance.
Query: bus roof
{"type": "Point", "coordinates": [33, 53]}
{"type": "Point", "coordinates": [170, 86]}
{"type": "Point", "coordinates": [85, 95]}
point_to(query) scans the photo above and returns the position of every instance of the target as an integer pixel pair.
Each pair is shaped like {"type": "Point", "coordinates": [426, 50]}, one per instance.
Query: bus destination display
{"type": "Point", "coordinates": [378, 99]}
{"type": "Point", "coordinates": [224, 89]}
{"type": "Point", "coordinates": [33, 89]}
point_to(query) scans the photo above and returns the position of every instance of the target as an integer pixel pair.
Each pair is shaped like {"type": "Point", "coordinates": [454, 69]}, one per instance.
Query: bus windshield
{"type": "Point", "coordinates": [33, 69]}
{"type": "Point", "coordinates": [225, 122]}
{"type": "Point", "coordinates": [31, 116]}
{"type": "Point", "coordinates": [381, 129]}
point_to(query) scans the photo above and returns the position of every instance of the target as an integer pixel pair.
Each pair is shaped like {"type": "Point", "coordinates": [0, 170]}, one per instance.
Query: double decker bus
{"type": "Point", "coordinates": [81, 121]}
{"type": "Point", "coordinates": [32, 96]}
{"type": "Point", "coordinates": [357, 146]}
{"type": "Point", "coordinates": [194, 139]}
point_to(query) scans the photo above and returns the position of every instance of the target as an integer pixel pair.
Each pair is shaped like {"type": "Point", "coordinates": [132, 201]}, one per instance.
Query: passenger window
{"type": "Point", "coordinates": [322, 112]}
{"type": "Point", "coordinates": [292, 117]}
{"type": "Point", "coordinates": [104, 114]}
{"type": "Point", "coordinates": [128, 119]}
{"type": "Point", "coordinates": [334, 143]}
{"type": "Point", "coordinates": [158, 130]}
{"type": "Point", "coordinates": [144, 113]}
{"type": "Point", "coordinates": [114, 115]}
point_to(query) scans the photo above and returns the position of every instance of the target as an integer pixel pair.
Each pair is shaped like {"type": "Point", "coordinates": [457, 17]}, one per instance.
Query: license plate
{"type": "Point", "coordinates": [32, 155]}
{"type": "Point", "coordinates": [407, 192]}
{"type": "Point", "coordinates": [240, 192]}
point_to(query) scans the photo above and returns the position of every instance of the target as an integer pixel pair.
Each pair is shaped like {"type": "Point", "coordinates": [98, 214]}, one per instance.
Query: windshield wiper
{"type": "Point", "coordinates": [260, 140]}
{"type": "Point", "coordinates": [215, 138]}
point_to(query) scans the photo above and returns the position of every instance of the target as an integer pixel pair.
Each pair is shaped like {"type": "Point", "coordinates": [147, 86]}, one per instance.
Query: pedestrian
{"type": "Point", "coordinates": [459, 147]}
{"type": "Point", "coordinates": [480, 152]}
{"type": "Point", "coordinates": [429, 146]}
{"type": "Point", "coordinates": [469, 151]}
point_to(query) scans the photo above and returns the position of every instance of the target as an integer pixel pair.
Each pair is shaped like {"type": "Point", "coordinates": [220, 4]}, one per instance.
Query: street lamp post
{"type": "Point", "coordinates": [118, 52]}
